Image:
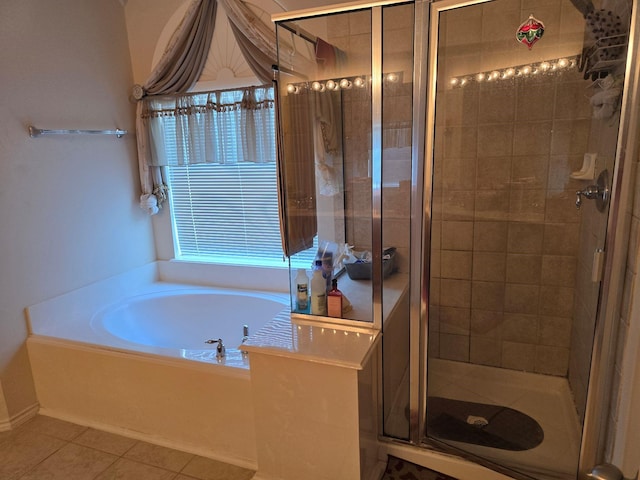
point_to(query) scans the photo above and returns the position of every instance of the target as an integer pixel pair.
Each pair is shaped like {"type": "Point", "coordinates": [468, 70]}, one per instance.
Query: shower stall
{"type": "Point", "coordinates": [456, 166]}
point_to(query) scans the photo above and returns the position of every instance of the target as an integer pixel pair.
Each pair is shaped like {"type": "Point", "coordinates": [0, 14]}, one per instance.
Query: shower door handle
{"type": "Point", "coordinates": [598, 192]}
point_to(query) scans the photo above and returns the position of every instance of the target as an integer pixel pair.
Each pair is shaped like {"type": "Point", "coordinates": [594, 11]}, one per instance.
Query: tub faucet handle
{"type": "Point", "coordinates": [220, 350]}
{"type": "Point", "coordinates": [245, 337]}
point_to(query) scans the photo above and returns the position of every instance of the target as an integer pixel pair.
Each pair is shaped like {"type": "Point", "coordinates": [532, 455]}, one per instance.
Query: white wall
{"type": "Point", "coordinates": [68, 210]}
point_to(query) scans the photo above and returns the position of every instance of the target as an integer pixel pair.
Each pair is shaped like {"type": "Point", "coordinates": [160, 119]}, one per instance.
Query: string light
{"type": "Point", "coordinates": [332, 85]}
{"type": "Point", "coordinates": [515, 71]}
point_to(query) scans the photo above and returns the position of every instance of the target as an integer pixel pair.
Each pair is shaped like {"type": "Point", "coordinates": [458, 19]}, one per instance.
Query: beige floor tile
{"type": "Point", "coordinates": [54, 427]}
{"type": "Point", "coordinates": [105, 441]}
{"type": "Point", "coordinates": [158, 456]}
{"type": "Point", "coordinates": [206, 469]}
{"type": "Point", "coordinates": [125, 469]}
{"type": "Point", "coordinates": [72, 462]}
{"type": "Point", "coordinates": [22, 450]}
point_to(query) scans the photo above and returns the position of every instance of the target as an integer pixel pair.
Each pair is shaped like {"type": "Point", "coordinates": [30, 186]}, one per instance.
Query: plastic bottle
{"type": "Point", "coordinates": [302, 290]}
{"type": "Point", "coordinates": [318, 291]}
{"type": "Point", "coordinates": [334, 300]}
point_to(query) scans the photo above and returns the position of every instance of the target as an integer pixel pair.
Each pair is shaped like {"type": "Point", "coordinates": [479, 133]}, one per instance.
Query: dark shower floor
{"type": "Point", "coordinates": [483, 424]}
{"type": "Point", "coordinates": [544, 398]}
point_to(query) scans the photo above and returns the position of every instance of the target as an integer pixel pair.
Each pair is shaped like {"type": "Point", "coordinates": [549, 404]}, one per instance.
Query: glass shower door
{"type": "Point", "coordinates": [517, 128]}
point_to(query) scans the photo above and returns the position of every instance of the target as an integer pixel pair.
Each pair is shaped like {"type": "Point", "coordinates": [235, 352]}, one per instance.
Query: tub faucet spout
{"type": "Point", "coordinates": [220, 350]}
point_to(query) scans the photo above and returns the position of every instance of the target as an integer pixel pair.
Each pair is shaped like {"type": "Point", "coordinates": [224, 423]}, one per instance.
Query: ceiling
{"type": "Point", "coordinates": [291, 5]}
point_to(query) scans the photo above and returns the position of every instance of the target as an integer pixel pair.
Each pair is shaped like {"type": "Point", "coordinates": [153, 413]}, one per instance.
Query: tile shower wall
{"type": "Point", "coordinates": [351, 33]}
{"type": "Point", "coordinates": [505, 235]}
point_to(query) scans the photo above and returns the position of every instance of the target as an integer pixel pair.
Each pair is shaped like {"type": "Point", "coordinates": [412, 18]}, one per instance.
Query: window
{"type": "Point", "coordinates": [226, 212]}
{"type": "Point", "coordinates": [223, 180]}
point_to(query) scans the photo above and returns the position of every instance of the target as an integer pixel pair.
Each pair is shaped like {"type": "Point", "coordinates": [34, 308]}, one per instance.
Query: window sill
{"type": "Point", "coordinates": [249, 277]}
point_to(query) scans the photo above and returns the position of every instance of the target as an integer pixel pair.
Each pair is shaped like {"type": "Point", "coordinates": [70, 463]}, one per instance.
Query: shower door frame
{"type": "Point", "coordinates": [595, 426]}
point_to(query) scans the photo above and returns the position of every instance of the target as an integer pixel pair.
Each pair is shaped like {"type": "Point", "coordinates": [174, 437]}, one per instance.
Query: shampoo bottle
{"type": "Point", "coordinates": [318, 291]}
{"type": "Point", "coordinates": [302, 291]}
{"type": "Point", "coordinates": [334, 300]}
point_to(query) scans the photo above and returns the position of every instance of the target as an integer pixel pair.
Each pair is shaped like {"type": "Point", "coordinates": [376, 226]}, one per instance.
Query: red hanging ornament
{"type": "Point", "coordinates": [530, 31]}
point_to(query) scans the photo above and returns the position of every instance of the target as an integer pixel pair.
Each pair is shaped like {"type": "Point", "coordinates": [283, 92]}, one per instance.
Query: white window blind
{"type": "Point", "coordinates": [226, 212]}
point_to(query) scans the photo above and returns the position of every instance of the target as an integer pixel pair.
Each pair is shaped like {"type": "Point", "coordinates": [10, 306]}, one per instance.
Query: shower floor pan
{"type": "Point", "coordinates": [545, 399]}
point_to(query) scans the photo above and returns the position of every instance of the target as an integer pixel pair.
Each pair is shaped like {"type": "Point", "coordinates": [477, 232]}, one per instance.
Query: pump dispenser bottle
{"type": "Point", "coordinates": [318, 291]}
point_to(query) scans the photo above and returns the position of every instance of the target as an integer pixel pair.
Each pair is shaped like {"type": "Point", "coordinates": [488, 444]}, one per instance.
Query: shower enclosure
{"type": "Point", "coordinates": [473, 150]}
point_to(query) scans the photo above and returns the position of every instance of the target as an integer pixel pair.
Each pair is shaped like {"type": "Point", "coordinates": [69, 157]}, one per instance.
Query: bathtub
{"type": "Point", "coordinates": [183, 322]}
{"type": "Point", "coordinates": [128, 355]}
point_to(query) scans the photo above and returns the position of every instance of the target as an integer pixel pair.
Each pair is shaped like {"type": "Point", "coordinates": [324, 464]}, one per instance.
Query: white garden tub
{"type": "Point", "coordinates": [128, 355]}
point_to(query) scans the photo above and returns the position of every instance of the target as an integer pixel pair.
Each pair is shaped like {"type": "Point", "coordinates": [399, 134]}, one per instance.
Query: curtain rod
{"type": "Point", "coordinates": [205, 92]}
{"type": "Point", "coordinates": [36, 132]}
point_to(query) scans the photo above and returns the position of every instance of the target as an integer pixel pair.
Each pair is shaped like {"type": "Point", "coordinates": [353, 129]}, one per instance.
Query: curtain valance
{"type": "Point", "coordinates": [254, 98]}
{"type": "Point", "coordinates": [221, 127]}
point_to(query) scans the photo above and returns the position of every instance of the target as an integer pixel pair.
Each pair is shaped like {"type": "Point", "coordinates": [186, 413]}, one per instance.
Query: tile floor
{"type": "Point", "coordinates": [45, 448]}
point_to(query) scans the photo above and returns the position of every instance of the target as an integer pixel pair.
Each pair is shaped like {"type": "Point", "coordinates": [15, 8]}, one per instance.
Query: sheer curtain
{"type": "Point", "coordinates": [177, 71]}
{"type": "Point", "coordinates": [195, 128]}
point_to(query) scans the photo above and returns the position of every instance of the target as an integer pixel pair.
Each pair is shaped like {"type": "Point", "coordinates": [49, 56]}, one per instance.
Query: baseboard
{"type": "Point", "coordinates": [20, 417]}
{"type": "Point", "coordinates": [163, 442]}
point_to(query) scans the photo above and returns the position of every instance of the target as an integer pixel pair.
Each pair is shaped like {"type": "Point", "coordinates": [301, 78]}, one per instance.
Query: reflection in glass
{"type": "Point", "coordinates": [511, 303]}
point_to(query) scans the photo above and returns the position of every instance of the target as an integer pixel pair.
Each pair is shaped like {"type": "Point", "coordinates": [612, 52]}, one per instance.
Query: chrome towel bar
{"type": "Point", "coordinates": [36, 132]}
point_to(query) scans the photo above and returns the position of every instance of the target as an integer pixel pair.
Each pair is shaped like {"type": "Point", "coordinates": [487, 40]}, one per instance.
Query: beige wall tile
{"type": "Point", "coordinates": [455, 320]}
{"type": "Point", "coordinates": [561, 207]}
{"type": "Point", "coordinates": [570, 102]}
{"type": "Point", "coordinates": [457, 235]}
{"type": "Point", "coordinates": [454, 347]}
{"type": "Point", "coordinates": [525, 237]}
{"type": "Point", "coordinates": [458, 107]}
{"type": "Point", "coordinates": [532, 138]}
{"type": "Point", "coordinates": [518, 356]}
{"type": "Point", "coordinates": [488, 295]}
{"type": "Point", "coordinates": [518, 327]}
{"type": "Point", "coordinates": [535, 101]}
{"type": "Point", "coordinates": [486, 323]}
{"type": "Point", "coordinates": [561, 238]}
{"type": "Point", "coordinates": [560, 169]}
{"type": "Point", "coordinates": [455, 264]}
{"type": "Point", "coordinates": [552, 360]}
{"type": "Point", "coordinates": [455, 293]}
{"type": "Point", "coordinates": [559, 270]}
{"type": "Point", "coordinates": [529, 172]}
{"type": "Point", "coordinates": [460, 142]}
{"type": "Point", "coordinates": [489, 266]}
{"type": "Point", "coordinates": [556, 301]}
{"type": "Point", "coordinates": [493, 173]}
{"type": "Point", "coordinates": [522, 268]}
{"type": "Point", "coordinates": [527, 205]}
{"type": "Point", "coordinates": [485, 351]}
{"type": "Point", "coordinates": [555, 331]}
{"type": "Point", "coordinates": [458, 205]}
{"type": "Point", "coordinates": [497, 103]}
{"type": "Point", "coordinates": [495, 16]}
{"type": "Point", "coordinates": [495, 140]}
{"type": "Point", "coordinates": [491, 205]}
{"type": "Point", "coordinates": [570, 137]}
{"type": "Point", "coordinates": [459, 174]}
{"type": "Point", "coordinates": [490, 236]}
{"type": "Point", "coordinates": [521, 298]}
